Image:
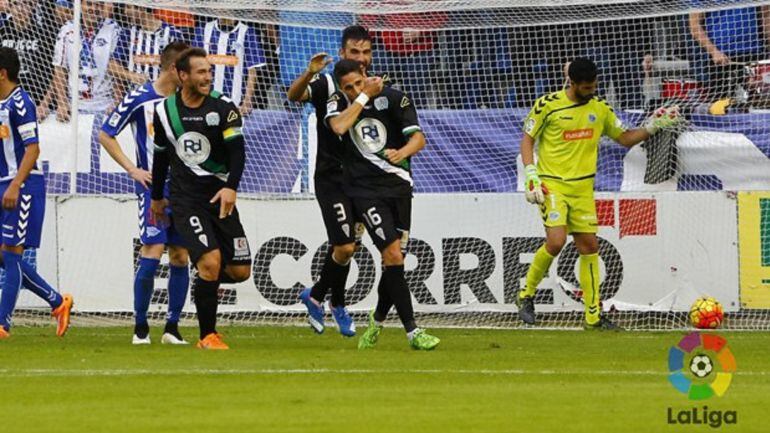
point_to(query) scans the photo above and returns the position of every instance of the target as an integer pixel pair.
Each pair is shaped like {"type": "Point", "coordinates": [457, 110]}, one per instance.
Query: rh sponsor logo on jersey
{"type": "Point", "coordinates": [578, 134]}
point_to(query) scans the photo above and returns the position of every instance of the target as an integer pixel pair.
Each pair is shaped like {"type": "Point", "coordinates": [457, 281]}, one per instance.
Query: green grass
{"type": "Point", "coordinates": [290, 380]}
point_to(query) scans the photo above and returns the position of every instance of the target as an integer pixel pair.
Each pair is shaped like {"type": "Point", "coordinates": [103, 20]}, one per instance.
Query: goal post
{"type": "Point", "coordinates": [684, 215]}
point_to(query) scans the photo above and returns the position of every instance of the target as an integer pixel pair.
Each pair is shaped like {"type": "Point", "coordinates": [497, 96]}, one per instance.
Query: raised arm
{"type": "Point", "coordinates": [701, 36]}
{"type": "Point", "coordinates": [298, 91]}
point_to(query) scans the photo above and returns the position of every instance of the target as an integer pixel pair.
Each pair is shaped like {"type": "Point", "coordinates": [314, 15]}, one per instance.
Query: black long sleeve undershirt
{"type": "Point", "coordinates": [160, 164]}
{"type": "Point", "coordinates": [237, 151]}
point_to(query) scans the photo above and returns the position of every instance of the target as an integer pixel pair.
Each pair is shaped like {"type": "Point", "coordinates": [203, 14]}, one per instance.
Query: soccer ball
{"type": "Point", "coordinates": [701, 366]}
{"type": "Point", "coordinates": [706, 313]}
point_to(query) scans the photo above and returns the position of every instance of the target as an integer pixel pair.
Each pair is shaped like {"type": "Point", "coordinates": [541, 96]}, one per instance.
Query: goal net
{"type": "Point", "coordinates": [684, 215]}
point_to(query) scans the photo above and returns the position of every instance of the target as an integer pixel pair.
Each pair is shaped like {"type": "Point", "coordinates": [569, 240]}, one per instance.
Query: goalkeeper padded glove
{"type": "Point", "coordinates": [663, 118]}
{"type": "Point", "coordinates": [534, 190]}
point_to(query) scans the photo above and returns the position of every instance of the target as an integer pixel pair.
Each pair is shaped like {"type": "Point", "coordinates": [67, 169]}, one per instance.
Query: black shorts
{"type": "Point", "coordinates": [203, 231]}
{"type": "Point", "coordinates": [386, 219]}
{"type": "Point", "coordinates": [337, 212]}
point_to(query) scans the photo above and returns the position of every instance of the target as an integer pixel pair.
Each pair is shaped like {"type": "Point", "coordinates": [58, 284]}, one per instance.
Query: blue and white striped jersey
{"type": "Point", "coordinates": [18, 129]}
{"type": "Point", "coordinates": [232, 53]}
{"type": "Point", "coordinates": [136, 109]}
{"type": "Point", "coordinates": [139, 50]}
{"type": "Point", "coordinates": [95, 83]}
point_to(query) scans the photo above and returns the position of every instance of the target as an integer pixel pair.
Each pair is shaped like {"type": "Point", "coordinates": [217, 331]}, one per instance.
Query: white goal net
{"type": "Point", "coordinates": [685, 215]}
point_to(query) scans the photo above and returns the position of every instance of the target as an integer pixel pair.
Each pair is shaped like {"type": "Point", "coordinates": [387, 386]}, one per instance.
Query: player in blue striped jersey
{"type": "Point", "coordinates": [137, 56]}
{"type": "Point", "coordinates": [22, 187]}
{"type": "Point", "coordinates": [235, 52]}
{"type": "Point", "coordinates": [137, 109]}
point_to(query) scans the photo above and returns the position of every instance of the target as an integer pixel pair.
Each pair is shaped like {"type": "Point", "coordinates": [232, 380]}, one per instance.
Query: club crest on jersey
{"type": "Point", "coordinates": [381, 103]}
{"type": "Point", "coordinates": [369, 135]}
{"type": "Point", "coordinates": [592, 118]}
{"type": "Point", "coordinates": [193, 148]}
{"type": "Point", "coordinates": [212, 119]}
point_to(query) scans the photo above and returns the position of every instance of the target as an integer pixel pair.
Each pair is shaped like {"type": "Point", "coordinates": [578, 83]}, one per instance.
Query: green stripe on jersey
{"type": "Point", "coordinates": [213, 167]}
{"type": "Point", "coordinates": [173, 116]}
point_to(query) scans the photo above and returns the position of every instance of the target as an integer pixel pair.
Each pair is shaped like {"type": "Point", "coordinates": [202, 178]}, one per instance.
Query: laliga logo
{"type": "Point", "coordinates": [701, 366]}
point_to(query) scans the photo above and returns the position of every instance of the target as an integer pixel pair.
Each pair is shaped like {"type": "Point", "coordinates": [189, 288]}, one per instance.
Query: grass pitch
{"type": "Point", "coordinates": [291, 380]}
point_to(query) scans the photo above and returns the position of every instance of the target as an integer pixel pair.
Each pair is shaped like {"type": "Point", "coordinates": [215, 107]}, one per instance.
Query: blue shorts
{"type": "Point", "coordinates": [23, 226]}
{"type": "Point", "coordinates": [154, 232]}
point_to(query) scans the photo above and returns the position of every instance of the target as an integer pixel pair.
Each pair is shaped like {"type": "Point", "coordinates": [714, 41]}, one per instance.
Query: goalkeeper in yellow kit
{"type": "Point", "coordinates": [567, 126]}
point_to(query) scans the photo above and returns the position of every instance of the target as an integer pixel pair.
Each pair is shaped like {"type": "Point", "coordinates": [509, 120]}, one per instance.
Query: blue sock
{"type": "Point", "coordinates": [178, 282]}
{"type": "Point", "coordinates": [144, 283]}
{"type": "Point", "coordinates": [33, 282]}
{"type": "Point", "coordinates": [10, 287]}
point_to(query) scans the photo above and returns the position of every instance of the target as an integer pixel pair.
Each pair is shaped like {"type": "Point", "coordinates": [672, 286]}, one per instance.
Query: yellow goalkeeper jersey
{"type": "Point", "coordinates": [568, 134]}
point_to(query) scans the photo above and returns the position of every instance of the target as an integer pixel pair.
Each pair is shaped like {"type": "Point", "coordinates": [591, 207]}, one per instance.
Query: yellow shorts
{"type": "Point", "coordinates": [570, 204]}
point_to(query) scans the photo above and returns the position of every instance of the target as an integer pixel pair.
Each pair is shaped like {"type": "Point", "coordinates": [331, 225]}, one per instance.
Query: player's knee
{"type": "Point", "coordinates": [555, 245]}
{"type": "Point", "coordinates": [178, 256]}
{"type": "Point", "coordinates": [152, 251]}
{"type": "Point", "coordinates": [209, 265]}
{"type": "Point", "coordinates": [239, 273]}
{"type": "Point", "coordinates": [392, 255]}
{"type": "Point", "coordinates": [587, 246]}
{"type": "Point", "coordinates": [343, 253]}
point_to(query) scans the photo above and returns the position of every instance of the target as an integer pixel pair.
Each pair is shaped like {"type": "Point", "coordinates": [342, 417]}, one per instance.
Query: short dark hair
{"type": "Point", "coordinates": [582, 70]}
{"type": "Point", "coordinates": [355, 33]}
{"type": "Point", "coordinates": [9, 61]}
{"type": "Point", "coordinates": [346, 66]}
{"type": "Point", "coordinates": [169, 54]}
{"type": "Point", "coordinates": [183, 61]}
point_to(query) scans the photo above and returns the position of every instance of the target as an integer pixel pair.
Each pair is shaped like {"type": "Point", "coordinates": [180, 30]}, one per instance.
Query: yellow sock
{"type": "Point", "coordinates": [536, 272]}
{"type": "Point", "coordinates": [589, 283]}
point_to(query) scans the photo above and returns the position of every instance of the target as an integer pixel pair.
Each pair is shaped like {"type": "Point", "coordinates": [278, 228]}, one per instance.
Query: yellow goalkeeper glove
{"type": "Point", "coordinates": [534, 190]}
{"type": "Point", "coordinates": [663, 118]}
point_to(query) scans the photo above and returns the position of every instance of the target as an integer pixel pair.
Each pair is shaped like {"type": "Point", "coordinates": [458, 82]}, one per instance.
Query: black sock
{"type": "Point", "coordinates": [321, 287]}
{"type": "Point", "coordinates": [384, 301]}
{"type": "Point", "coordinates": [395, 283]}
{"type": "Point", "coordinates": [338, 276]}
{"type": "Point", "coordinates": [172, 328]}
{"type": "Point", "coordinates": [206, 304]}
{"type": "Point", "coordinates": [141, 330]}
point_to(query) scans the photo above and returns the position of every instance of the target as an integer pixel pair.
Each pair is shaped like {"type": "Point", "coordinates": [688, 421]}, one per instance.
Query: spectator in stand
{"type": "Point", "coordinates": [407, 52]}
{"type": "Point", "coordinates": [235, 52]}
{"type": "Point", "coordinates": [729, 37]}
{"type": "Point", "coordinates": [99, 38]}
{"type": "Point", "coordinates": [63, 11]}
{"type": "Point", "coordinates": [29, 31]}
{"type": "Point", "coordinates": [137, 57]}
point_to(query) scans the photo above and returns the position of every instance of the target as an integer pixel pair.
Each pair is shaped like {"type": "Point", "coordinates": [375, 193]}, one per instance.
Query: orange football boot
{"type": "Point", "coordinates": [4, 334]}
{"type": "Point", "coordinates": [62, 315]}
{"type": "Point", "coordinates": [212, 341]}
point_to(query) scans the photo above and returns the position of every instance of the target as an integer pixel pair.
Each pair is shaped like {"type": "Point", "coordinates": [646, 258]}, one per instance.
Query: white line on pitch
{"type": "Point", "coordinates": [300, 371]}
